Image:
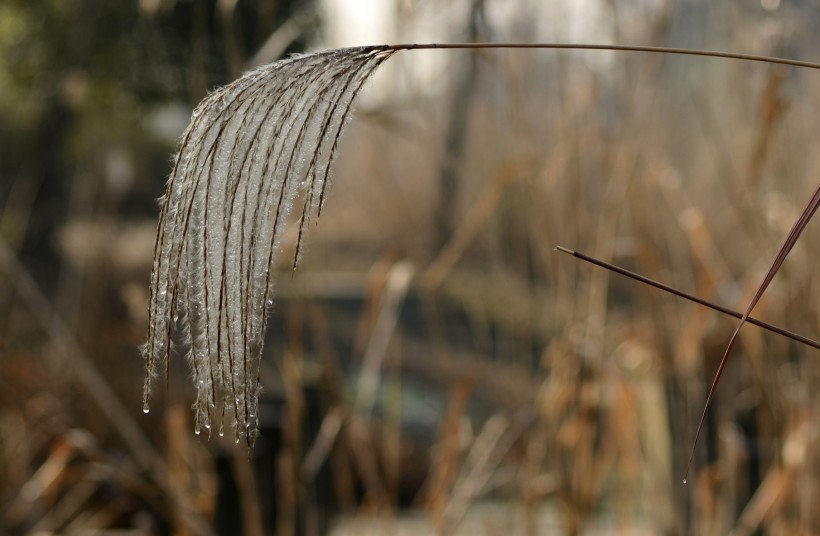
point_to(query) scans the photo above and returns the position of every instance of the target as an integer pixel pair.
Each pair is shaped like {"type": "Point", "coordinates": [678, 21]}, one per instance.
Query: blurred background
{"type": "Point", "coordinates": [433, 366]}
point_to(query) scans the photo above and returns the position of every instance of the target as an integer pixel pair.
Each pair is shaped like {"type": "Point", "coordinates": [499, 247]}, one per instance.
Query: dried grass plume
{"type": "Point", "coordinates": [253, 150]}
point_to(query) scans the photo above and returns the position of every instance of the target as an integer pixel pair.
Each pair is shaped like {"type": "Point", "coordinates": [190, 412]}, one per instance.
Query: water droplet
{"type": "Point", "coordinates": [145, 408]}
{"type": "Point", "coordinates": [221, 431]}
{"type": "Point", "coordinates": [196, 428]}
{"type": "Point", "coordinates": [685, 482]}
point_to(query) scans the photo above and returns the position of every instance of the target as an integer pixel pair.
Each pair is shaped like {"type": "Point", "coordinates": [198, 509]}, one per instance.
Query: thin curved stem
{"type": "Point", "coordinates": [587, 46]}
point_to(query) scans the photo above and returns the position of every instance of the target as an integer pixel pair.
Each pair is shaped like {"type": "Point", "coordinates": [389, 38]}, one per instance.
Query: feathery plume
{"type": "Point", "coordinates": [253, 150]}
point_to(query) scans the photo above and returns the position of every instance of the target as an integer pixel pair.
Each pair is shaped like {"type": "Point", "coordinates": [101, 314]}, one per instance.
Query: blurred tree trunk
{"type": "Point", "coordinates": [456, 136]}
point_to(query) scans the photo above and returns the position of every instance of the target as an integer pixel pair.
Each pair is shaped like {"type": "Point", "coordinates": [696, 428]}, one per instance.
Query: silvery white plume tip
{"type": "Point", "coordinates": [253, 150]}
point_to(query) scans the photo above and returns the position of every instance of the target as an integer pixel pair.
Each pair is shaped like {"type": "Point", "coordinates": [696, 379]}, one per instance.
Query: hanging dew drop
{"type": "Point", "coordinates": [221, 431]}
{"type": "Point", "coordinates": [685, 481]}
{"type": "Point", "coordinates": [145, 408]}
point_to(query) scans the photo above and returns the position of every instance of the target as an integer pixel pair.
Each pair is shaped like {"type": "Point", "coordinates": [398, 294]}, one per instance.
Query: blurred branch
{"type": "Point", "coordinates": [487, 452]}
{"type": "Point", "coordinates": [278, 41]}
{"type": "Point", "coordinates": [398, 281]}
{"type": "Point", "coordinates": [325, 439]}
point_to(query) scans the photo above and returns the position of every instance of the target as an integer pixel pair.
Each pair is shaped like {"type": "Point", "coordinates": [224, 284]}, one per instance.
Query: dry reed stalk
{"type": "Point", "coordinates": [377, 276]}
{"type": "Point", "coordinates": [286, 498]}
{"type": "Point", "coordinates": [655, 431]}
{"type": "Point", "coordinates": [707, 502]}
{"type": "Point", "coordinates": [397, 283]}
{"type": "Point", "coordinates": [391, 426]}
{"type": "Point", "coordinates": [780, 480]}
{"type": "Point", "coordinates": [699, 237]}
{"type": "Point", "coordinates": [444, 462]}
{"type": "Point", "coordinates": [323, 443]}
{"type": "Point", "coordinates": [365, 461]}
{"type": "Point", "coordinates": [479, 213]}
{"type": "Point", "coordinates": [251, 511]}
{"type": "Point", "coordinates": [288, 493]}
{"type": "Point", "coordinates": [624, 419]}
{"type": "Point", "coordinates": [483, 459]}
{"type": "Point", "coordinates": [76, 489]}
{"type": "Point", "coordinates": [773, 107]}
{"type": "Point", "coordinates": [188, 469]}
{"type": "Point", "coordinates": [97, 388]}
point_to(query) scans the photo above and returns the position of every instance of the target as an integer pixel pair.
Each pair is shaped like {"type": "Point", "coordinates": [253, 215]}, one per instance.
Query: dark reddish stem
{"type": "Point", "coordinates": [585, 46]}
{"type": "Point", "coordinates": [657, 284]}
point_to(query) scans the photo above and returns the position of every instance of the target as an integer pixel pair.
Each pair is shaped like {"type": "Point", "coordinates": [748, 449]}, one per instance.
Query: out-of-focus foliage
{"type": "Point", "coordinates": [98, 91]}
